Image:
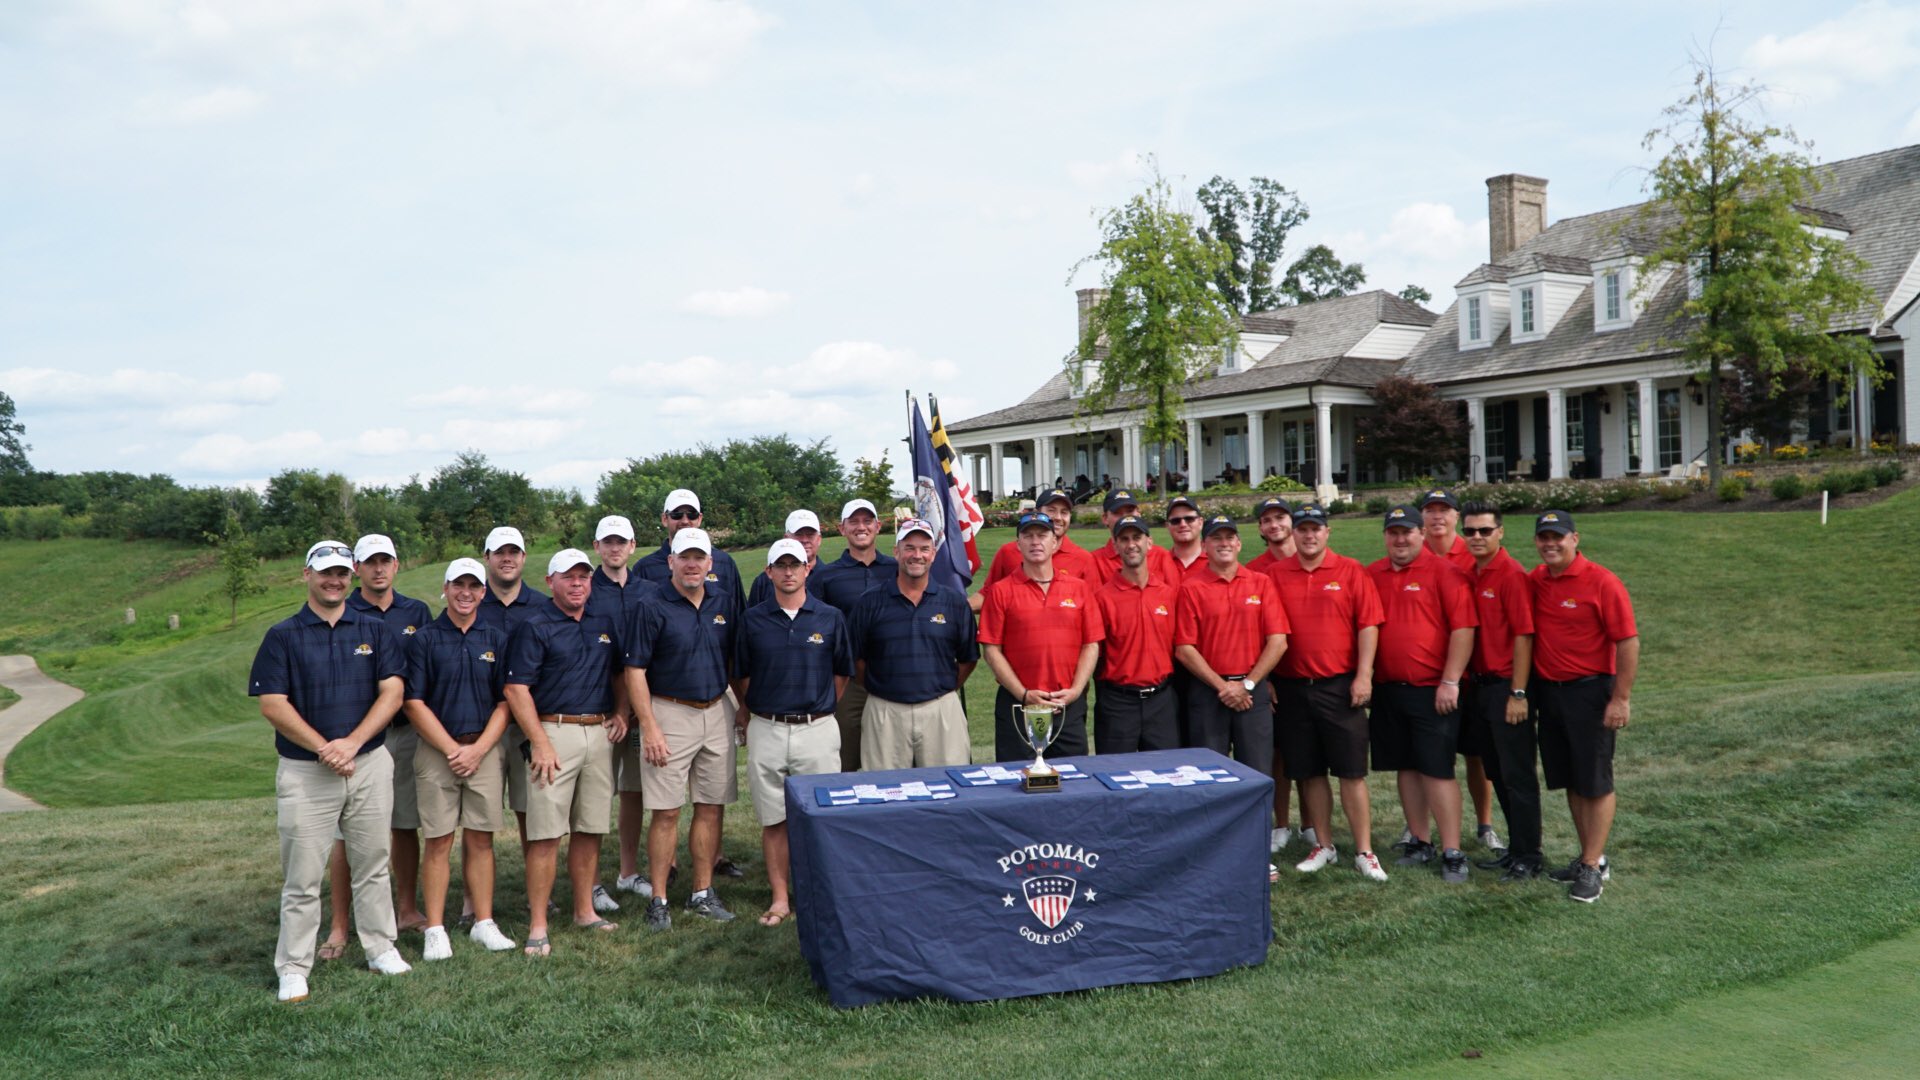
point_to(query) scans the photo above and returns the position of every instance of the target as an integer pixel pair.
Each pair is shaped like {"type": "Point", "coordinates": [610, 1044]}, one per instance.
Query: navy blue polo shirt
{"type": "Point", "coordinates": [615, 601]}
{"type": "Point", "coordinates": [460, 675]}
{"type": "Point", "coordinates": [569, 664]}
{"type": "Point", "coordinates": [913, 652]}
{"type": "Point", "coordinates": [529, 603]}
{"type": "Point", "coordinates": [791, 662]}
{"type": "Point", "coordinates": [404, 618]}
{"type": "Point", "coordinates": [686, 650]}
{"type": "Point", "coordinates": [657, 566]}
{"type": "Point", "coordinates": [331, 674]}
{"type": "Point", "coordinates": [842, 581]}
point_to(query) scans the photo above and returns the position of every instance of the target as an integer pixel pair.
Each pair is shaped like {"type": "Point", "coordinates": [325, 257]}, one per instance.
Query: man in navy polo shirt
{"type": "Point", "coordinates": [565, 691]}
{"type": "Point", "coordinates": [803, 527]}
{"type": "Point", "coordinates": [793, 657]}
{"type": "Point", "coordinates": [510, 602]}
{"type": "Point", "coordinates": [456, 671]}
{"type": "Point", "coordinates": [678, 656]}
{"type": "Point", "coordinates": [840, 584]}
{"type": "Point", "coordinates": [913, 646]}
{"type": "Point", "coordinates": [329, 679]}
{"type": "Point", "coordinates": [682, 511]}
{"type": "Point", "coordinates": [616, 589]}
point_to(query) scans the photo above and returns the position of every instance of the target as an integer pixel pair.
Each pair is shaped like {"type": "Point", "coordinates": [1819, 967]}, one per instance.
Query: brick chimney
{"type": "Point", "coordinates": [1516, 212]}
{"type": "Point", "coordinates": [1088, 298]}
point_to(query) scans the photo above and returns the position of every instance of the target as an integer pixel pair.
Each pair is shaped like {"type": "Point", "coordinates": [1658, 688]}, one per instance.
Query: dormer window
{"type": "Point", "coordinates": [1526, 311]}
{"type": "Point", "coordinates": [1473, 319]}
{"type": "Point", "coordinates": [1611, 287]}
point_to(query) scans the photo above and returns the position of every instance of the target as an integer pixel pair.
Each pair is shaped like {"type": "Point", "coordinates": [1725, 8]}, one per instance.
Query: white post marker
{"type": "Point", "coordinates": [1824, 496]}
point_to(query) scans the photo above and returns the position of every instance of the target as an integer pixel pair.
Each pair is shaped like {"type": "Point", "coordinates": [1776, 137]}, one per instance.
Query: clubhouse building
{"type": "Point", "coordinates": [1553, 345]}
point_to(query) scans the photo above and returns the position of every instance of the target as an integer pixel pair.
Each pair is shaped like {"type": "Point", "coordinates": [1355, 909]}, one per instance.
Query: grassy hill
{"type": "Point", "coordinates": [1766, 802]}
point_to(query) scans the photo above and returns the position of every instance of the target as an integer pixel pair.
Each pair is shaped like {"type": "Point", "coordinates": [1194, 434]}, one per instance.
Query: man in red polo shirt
{"type": "Point", "coordinates": [1425, 644]}
{"type": "Point", "coordinates": [1322, 686]}
{"type": "Point", "coordinates": [1183, 529]}
{"type": "Point", "coordinates": [1275, 518]}
{"type": "Point", "coordinates": [1120, 504]}
{"type": "Point", "coordinates": [1586, 653]}
{"type": "Point", "coordinates": [1134, 706]}
{"type": "Point", "coordinates": [1439, 519]}
{"type": "Point", "coordinates": [1072, 559]}
{"type": "Point", "coordinates": [1496, 703]}
{"type": "Point", "coordinates": [1040, 633]}
{"type": "Point", "coordinates": [1229, 631]}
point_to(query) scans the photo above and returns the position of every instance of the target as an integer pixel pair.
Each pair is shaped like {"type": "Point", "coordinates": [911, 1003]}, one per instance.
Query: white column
{"type": "Point", "coordinates": [1196, 455]}
{"type": "Point", "coordinates": [1557, 433]}
{"type": "Point", "coordinates": [1477, 438]}
{"type": "Point", "coordinates": [997, 470]}
{"type": "Point", "coordinates": [1862, 410]}
{"type": "Point", "coordinates": [1649, 428]}
{"type": "Point", "coordinates": [1044, 469]}
{"type": "Point", "coordinates": [1323, 443]}
{"type": "Point", "coordinates": [1256, 445]}
{"type": "Point", "coordinates": [1132, 457]}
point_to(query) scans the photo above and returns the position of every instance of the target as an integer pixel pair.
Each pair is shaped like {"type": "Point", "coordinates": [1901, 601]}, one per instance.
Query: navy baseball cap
{"type": "Point", "coordinates": [1182, 500]}
{"type": "Point", "coordinates": [1053, 495]}
{"type": "Point", "coordinates": [1553, 521]}
{"type": "Point", "coordinates": [1131, 522]}
{"type": "Point", "coordinates": [1401, 517]}
{"type": "Point", "coordinates": [1033, 517]}
{"type": "Point", "coordinates": [1281, 505]}
{"type": "Point", "coordinates": [1439, 495]}
{"type": "Point", "coordinates": [1310, 512]}
{"type": "Point", "coordinates": [1220, 523]}
{"type": "Point", "coordinates": [1118, 498]}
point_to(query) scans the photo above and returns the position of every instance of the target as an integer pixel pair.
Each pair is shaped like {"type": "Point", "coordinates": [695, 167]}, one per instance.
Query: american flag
{"type": "Point", "coordinates": [1050, 897]}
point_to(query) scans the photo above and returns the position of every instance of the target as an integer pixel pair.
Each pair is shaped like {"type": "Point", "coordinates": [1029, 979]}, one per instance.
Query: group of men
{"type": "Point", "coordinates": [635, 682]}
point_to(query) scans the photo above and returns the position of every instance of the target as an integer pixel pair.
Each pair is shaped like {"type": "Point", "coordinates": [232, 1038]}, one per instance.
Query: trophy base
{"type": "Point", "coordinates": [1039, 781]}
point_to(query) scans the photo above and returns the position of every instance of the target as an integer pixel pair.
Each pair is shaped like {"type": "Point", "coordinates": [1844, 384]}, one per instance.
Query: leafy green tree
{"type": "Point", "coordinates": [1416, 294]}
{"type": "Point", "coordinates": [1160, 321]}
{"type": "Point", "coordinates": [872, 481]}
{"type": "Point", "coordinates": [1318, 274]}
{"type": "Point", "coordinates": [466, 499]}
{"type": "Point", "coordinates": [1253, 224]}
{"type": "Point", "coordinates": [1728, 206]}
{"type": "Point", "coordinates": [239, 567]}
{"type": "Point", "coordinates": [746, 487]}
{"type": "Point", "coordinates": [305, 505]}
{"type": "Point", "coordinates": [13, 447]}
{"type": "Point", "coordinates": [1414, 428]}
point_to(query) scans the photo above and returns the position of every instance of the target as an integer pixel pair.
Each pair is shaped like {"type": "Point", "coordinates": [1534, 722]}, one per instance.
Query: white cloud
{"type": "Point", "coordinates": [747, 302]}
{"type": "Point", "coordinates": [387, 441]}
{"type": "Point", "coordinates": [504, 436]}
{"type": "Point", "coordinates": [1433, 231]}
{"type": "Point", "coordinates": [54, 388]}
{"type": "Point", "coordinates": [463, 396]}
{"type": "Point", "coordinates": [517, 398]}
{"type": "Point", "coordinates": [767, 410]}
{"type": "Point", "coordinates": [582, 474]}
{"type": "Point", "coordinates": [840, 365]}
{"type": "Point", "coordinates": [228, 453]}
{"type": "Point", "coordinates": [220, 103]}
{"type": "Point", "coordinates": [1874, 44]}
{"type": "Point", "coordinates": [692, 372]}
{"type": "Point", "coordinates": [1090, 174]}
{"type": "Point", "coordinates": [198, 418]}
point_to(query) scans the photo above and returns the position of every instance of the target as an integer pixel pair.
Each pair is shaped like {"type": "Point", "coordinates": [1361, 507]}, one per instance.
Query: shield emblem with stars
{"type": "Point", "coordinates": [1050, 897]}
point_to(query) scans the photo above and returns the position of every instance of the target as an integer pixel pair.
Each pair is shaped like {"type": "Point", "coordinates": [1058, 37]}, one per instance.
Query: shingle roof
{"type": "Point", "coordinates": [1321, 335]}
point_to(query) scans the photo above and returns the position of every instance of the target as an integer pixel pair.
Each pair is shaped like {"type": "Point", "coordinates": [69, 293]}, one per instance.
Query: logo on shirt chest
{"type": "Point", "coordinates": [719, 620]}
{"type": "Point", "coordinates": [1067, 601]}
{"type": "Point", "coordinates": [1411, 586]}
{"type": "Point", "coordinates": [363, 649]}
{"type": "Point", "coordinates": [1160, 609]}
{"type": "Point", "coordinates": [1568, 604]}
{"type": "Point", "coordinates": [487, 656]}
{"type": "Point", "coordinates": [408, 631]}
{"type": "Point", "coordinates": [711, 576]}
{"type": "Point", "coordinates": [1489, 594]}
{"type": "Point", "coordinates": [605, 640]}
{"type": "Point", "coordinates": [1254, 600]}
{"type": "Point", "coordinates": [1331, 586]}
{"type": "Point", "coordinates": [939, 618]}
{"type": "Point", "coordinates": [816, 639]}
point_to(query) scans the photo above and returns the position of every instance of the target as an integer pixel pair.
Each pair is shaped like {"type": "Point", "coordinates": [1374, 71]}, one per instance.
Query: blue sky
{"type": "Point", "coordinates": [364, 235]}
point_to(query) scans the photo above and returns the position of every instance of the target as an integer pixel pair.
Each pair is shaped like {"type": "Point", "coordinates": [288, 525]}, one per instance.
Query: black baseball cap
{"type": "Point", "coordinates": [1439, 495]}
{"type": "Point", "coordinates": [1553, 521]}
{"type": "Point", "coordinates": [1218, 523]}
{"type": "Point", "coordinates": [1401, 517]}
{"type": "Point", "coordinates": [1118, 498]}
{"type": "Point", "coordinates": [1310, 512]}
{"type": "Point", "coordinates": [1033, 517]}
{"type": "Point", "coordinates": [1182, 500]}
{"type": "Point", "coordinates": [1272, 503]}
{"type": "Point", "coordinates": [1054, 495]}
{"type": "Point", "coordinates": [1131, 521]}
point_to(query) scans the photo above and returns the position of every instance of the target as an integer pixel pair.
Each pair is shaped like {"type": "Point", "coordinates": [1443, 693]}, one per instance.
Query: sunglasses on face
{"type": "Point", "coordinates": [1183, 520]}
{"type": "Point", "coordinates": [329, 549]}
{"type": "Point", "coordinates": [1483, 530]}
{"type": "Point", "coordinates": [685, 515]}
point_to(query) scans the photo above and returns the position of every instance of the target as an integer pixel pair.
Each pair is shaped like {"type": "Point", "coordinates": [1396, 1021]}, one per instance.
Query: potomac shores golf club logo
{"type": "Point", "coordinates": [1050, 880]}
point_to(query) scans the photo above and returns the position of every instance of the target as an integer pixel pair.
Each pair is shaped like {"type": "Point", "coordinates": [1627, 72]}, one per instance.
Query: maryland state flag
{"type": "Point", "coordinates": [966, 507]}
{"type": "Point", "coordinates": [937, 502]}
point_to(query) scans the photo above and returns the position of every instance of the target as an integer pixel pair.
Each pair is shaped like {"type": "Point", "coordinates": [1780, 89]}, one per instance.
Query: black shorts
{"type": "Point", "coordinates": [1317, 730]}
{"type": "Point", "coordinates": [1409, 733]}
{"type": "Point", "coordinates": [1576, 745]}
{"type": "Point", "coordinates": [1473, 734]}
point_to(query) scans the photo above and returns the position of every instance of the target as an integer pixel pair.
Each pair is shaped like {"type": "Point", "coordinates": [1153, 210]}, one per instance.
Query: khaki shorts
{"type": "Point", "coordinates": [699, 757]}
{"type": "Point", "coordinates": [580, 798]}
{"type": "Point", "coordinates": [776, 751]}
{"type": "Point", "coordinates": [401, 743]}
{"type": "Point", "coordinates": [448, 802]}
{"type": "Point", "coordinates": [516, 766]}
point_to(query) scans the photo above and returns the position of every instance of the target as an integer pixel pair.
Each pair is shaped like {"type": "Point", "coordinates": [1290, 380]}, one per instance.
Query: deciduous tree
{"type": "Point", "coordinates": [1319, 274]}
{"type": "Point", "coordinates": [1415, 428]}
{"type": "Point", "coordinates": [1253, 224]}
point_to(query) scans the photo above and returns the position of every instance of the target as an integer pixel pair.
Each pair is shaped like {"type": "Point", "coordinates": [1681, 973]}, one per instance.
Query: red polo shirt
{"type": "Point", "coordinates": [1459, 555]}
{"type": "Point", "coordinates": [1193, 569]}
{"type": "Point", "coordinates": [1071, 559]}
{"type": "Point", "coordinates": [1264, 562]}
{"type": "Point", "coordinates": [1578, 616]}
{"type": "Point", "coordinates": [1229, 621]}
{"type": "Point", "coordinates": [1424, 604]}
{"type": "Point", "coordinates": [1160, 564]}
{"type": "Point", "coordinates": [1139, 629]}
{"type": "Point", "coordinates": [1327, 605]}
{"type": "Point", "coordinates": [1041, 630]}
{"type": "Point", "coordinates": [1503, 597]}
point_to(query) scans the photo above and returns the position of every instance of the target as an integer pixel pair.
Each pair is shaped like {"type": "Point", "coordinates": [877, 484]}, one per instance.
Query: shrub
{"type": "Point", "coordinates": [1620, 491]}
{"type": "Point", "coordinates": [1886, 472]}
{"type": "Point", "coordinates": [1342, 506]}
{"type": "Point", "coordinates": [1281, 483]}
{"type": "Point", "coordinates": [1378, 504]}
{"type": "Point", "coordinates": [1788, 486]}
{"type": "Point", "coordinates": [1844, 481]}
{"type": "Point", "coordinates": [1674, 490]}
{"type": "Point", "coordinates": [1512, 497]}
{"type": "Point", "coordinates": [1731, 489]}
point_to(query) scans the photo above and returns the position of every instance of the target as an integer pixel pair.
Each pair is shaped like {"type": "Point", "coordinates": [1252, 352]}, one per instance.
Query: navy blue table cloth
{"type": "Point", "coordinates": [999, 893]}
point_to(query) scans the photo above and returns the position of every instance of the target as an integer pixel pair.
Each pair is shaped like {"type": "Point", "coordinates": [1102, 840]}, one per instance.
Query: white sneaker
{"type": "Point", "coordinates": [293, 988]}
{"type": "Point", "coordinates": [389, 963]}
{"type": "Point", "coordinates": [1320, 856]}
{"type": "Point", "coordinates": [1312, 838]}
{"type": "Point", "coordinates": [1369, 866]}
{"type": "Point", "coordinates": [437, 947]}
{"type": "Point", "coordinates": [1277, 839]}
{"type": "Point", "coordinates": [636, 884]}
{"type": "Point", "coordinates": [487, 933]}
{"type": "Point", "coordinates": [603, 903]}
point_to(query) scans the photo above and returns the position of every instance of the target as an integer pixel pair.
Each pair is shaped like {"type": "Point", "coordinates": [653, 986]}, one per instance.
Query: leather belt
{"type": "Point", "coordinates": [467, 740]}
{"type": "Point", "coordinates": [573, 718]}
{"type": "Point", "coordinates": [793, 717]}
{"type": "Point", "coordinates": [689, 703]}
{"type": "Point", "coordinates": [1311, 680]}
{"type": "Point", "coordinates": [1136, 691]}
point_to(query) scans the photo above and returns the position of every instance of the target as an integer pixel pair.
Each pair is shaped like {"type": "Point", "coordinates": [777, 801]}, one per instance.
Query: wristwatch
{"type": "Point", "coordinates": [1249, 684]}
{"type": "Point", "coordinates": [1517, 695]}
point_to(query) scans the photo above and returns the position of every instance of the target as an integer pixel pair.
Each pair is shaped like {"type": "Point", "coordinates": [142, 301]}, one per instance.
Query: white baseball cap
{"type": "Point", "coordinates": [566, 560]}
{"type": "Point", "coordinates": [613, 525]}
{"type": "Point", "coordinates": [328, 554]}
{"type": "Point", "coordinates": [680, 497]}
{"type": "Point", "coordinates": [373, 544]}
{"type": "Point", "coordinates": [914, 525]}
{"type": "Point", "coordinates": [853, 505]}
{"type": "Point", "coordinates": [687, 539]}
{"type": "Point", "coordinates": [803, 519]}
{"type": "Point", "coordinates": [460, 568]}
{"type": "Point", "coordinates": [502, 536]}
{"type": "Point", "coordinates": [787, 546]}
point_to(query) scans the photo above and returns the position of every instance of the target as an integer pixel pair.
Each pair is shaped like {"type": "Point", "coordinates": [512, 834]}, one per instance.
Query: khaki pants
{"type": "Point", "coordinates": [897, 736]}
{"type": "Point", "coordinates": [312, 801]}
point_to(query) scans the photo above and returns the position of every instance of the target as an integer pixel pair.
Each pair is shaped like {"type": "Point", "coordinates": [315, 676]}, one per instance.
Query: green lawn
{"type": "Point", "coordinates": [1766, 783]}
{"type": "Point", "coordinates": [7, 697]}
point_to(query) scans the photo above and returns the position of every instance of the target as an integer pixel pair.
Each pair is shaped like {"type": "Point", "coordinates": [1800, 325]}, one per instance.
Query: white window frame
{"type": "Point", "coordinates": [1474, 325]}
{"type": "Point", "coordinates": [1527, 310]}
{"type": "Point", "coordinates": [1613, 297]}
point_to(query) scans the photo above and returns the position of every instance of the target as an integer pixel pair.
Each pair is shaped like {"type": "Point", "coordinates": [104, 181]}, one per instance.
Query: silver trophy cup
{"type": "Point", "coordinates": [1039, 729]}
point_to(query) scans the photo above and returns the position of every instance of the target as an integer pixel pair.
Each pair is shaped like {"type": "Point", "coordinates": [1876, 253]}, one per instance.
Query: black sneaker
{"type": "Point", "coordinates": [1586, 887]}
{"type": "Point", "coordinates": [1520, 870]}
{"type": "Point", "coordinates": [1419, 853]}
{"type": "Point", "coordinates": [658, 917]}
{"type": "Point", "coordinates": [1453, 866]}
{"type": "Point", "coordinates": [709, 907]}
{"type": "Point", "coordinates": [1504, 862]}
{"type": "Point", "coordinates": [725, 868]}
{"type": "Point", "coordinates": [1571, 872]}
